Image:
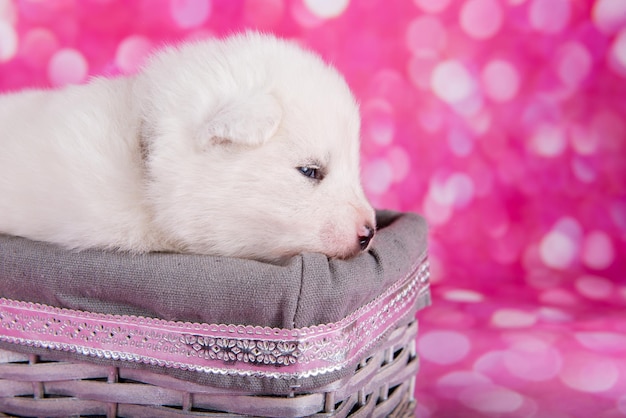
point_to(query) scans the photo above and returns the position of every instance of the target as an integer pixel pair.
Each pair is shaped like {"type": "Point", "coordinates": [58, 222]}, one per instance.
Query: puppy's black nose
{"type": "Point", "coordinates": [365, 236]}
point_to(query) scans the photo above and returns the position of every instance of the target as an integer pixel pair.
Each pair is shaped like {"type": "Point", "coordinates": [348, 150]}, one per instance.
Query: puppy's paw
{"type": "Point", "coordinates": [248, 121]}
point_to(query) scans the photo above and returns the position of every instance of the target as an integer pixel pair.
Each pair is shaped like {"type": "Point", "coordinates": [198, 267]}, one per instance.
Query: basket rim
{"type": "Point", "coordinates": [222, 349]}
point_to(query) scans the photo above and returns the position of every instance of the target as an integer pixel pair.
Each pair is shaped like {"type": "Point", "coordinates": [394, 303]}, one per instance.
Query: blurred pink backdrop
{"type": "Point", "coordinates": [503, 122]}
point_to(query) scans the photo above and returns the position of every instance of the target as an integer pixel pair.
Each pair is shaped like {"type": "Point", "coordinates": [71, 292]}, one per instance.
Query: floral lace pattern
{"type": "Point", "coordinates": [223, 349]}
{"type": "Point", "coordinates": [248, 351]}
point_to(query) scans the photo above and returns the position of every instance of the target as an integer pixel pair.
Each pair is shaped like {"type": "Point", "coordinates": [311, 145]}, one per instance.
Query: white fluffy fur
{"type": "Point", "coordinates": [196, 153]}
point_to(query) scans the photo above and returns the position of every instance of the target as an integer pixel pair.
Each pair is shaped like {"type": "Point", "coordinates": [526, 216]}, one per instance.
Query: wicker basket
{"type": "Point", "coordinates": [343, 343]}
{"type": "Point", "coordinates": [382, 385]}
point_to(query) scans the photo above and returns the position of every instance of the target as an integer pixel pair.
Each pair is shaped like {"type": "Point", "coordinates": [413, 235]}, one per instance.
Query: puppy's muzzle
{"type": "Point", "coordinates": [365, 236]}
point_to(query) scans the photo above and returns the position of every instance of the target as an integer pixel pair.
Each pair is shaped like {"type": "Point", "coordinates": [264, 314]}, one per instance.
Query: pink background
{"type": "Point", "coordinates": [502, 121]}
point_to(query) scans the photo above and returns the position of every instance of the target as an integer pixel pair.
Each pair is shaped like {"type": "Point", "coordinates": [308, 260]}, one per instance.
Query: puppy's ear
{"type": "Point", "coordinates": [248, 120]}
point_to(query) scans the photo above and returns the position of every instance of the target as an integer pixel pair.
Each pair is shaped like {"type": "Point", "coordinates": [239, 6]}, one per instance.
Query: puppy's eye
{"type": "Point", "coordinates": [311, 172]}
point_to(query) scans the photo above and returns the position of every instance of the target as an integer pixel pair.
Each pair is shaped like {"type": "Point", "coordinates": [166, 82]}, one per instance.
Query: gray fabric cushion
{"type": "Point", "coordinates": [308, 290]}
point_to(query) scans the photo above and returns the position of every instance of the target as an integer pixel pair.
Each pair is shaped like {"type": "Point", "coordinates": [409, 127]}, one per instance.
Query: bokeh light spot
{"type": "Point", "coordinates": [456, 189]}
{"type": "Point", "coordinates": [617, 53]}
{"type": "Point", "coordinates": [602, 341]}
{"type": "Point", "coordinates": [483, 180]}
{"type": "Point", "coordinates": [560, 246]}
{"type": "Point", "coordinates": [463, 379]}
{"type": "Point", "coordinates": [492, 400]}
{"type": "Point", "coordinates": [488, 362]}
{"type": "Point", "coordinates": [462, 188]}
{"type": "Point", "coordinates": [303, 16]}
{"type": "Point", "coordinates": [463, 295]}
{"type": "Point", "coordinates": [549, 16]}
{"type": "Point", "coordinates": [38, 45]}
{"type": "Point", "coordinates": [8, 41]}
{"type": "Point", "coordinates": [190, 13]}
{"type": "Point", "coordinates": [378, 176]}
{"type": "Point", "coordinates": [609, 15]}
{"type": "Point", "coordinates": [67, 66]}
{"type": "Point", "coordinates": [440, 191]}
{"type": "Point", "coordinates": [327, 9]}
{"type": "Point", "coordinates": [540, 277]}
{"type": "Point", "coordinates": [436, 213]}
{"type": "Point", "coordinates": [617, 210]}
{"type": "Point", "coordinates": [548, 140]}
{"type": "Point", "coordinates": [598, 251]}
{"type": "Point", "coordinates": [426, 36]}
{"type": "Point", "coordinates": [131, 53]}
{"type": "Point", "coordinates": [460, 143]}
{"type": "Point", "coordinates": [549, 314]}
{"type": "Point", "coordinates": [481, 19]}
{"type": "Point", "coordinates": [589, 373]}
{"type": "Point", "coordinates": [512, 318]}
{"type": "Point", "coordinates": [420, 69]}
{"type": "Point", "coordinates": [432, 6]}
{"type": "Point", "coordinates": [609, 129]}
{"type": "Point", "coordinates": [583, 170]}
{"type": "Point", "coordinates": [558, 297]}
{"type": "Point", "coordinates": [500, 80]}
{"type": "Point", "coordinates": [444, 347]}
{"type": "Point", "coordinates": [8, 12]}
{"type": "Point", "coordinates": [378, 121]}
{"type": "Point", "coordinates": [400, 161]}
{"type": "Point", "coordinates": [584, 140]}
{"type": "Point", "coordinates": [533, 360]}
{"type": "Point", "coordinates": [594, 287]}
{"type": "Point", "coordinates": [430, 120]}
{"type": "Point", "coordinates": [471, 107]}
{"type": "Point", "coordinates": [451, 82]}
{"type": "Point", "coordinates": [573, 63]}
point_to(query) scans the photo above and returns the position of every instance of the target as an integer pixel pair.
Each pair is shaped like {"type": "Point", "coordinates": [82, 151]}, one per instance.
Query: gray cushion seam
{"type": "Point", "coordinates": [296, 312]}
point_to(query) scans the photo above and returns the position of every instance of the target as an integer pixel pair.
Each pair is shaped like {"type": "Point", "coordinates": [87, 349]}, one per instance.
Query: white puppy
{"type": "Point", "coordinates": [245, 147]}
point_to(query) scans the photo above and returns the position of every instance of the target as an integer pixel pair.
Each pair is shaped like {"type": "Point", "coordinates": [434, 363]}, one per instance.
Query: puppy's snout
{"type": "Point", "coordinates": [366, 233]}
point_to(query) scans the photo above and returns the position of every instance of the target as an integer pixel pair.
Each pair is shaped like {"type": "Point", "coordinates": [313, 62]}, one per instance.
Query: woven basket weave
{"type": "Point", "coordinates": [382, 385]}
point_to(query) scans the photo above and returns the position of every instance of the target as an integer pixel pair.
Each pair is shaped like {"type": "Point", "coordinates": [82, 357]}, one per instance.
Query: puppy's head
{"type": "Point", "coordinates": [253, 151]}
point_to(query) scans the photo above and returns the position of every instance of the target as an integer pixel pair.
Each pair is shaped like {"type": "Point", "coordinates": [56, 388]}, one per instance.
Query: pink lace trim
{"type": "Point", "coordinates": [222, 349]}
